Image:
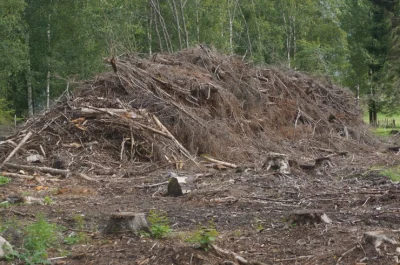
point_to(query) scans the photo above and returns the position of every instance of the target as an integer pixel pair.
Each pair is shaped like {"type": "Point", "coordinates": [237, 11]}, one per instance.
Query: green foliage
{"type": "Point", "coordinates": [39, 237]}
{"type": "Point", "coordinates": [4, 180]}
{"type": "Point", "coordinates": [48, 200]}
{"type": "Point", "coordinates": [159, 224]}
{"type": "Point", "coordinates": [80, 236]}
{"type": "Point", "coordinates": [204, 236]}
{"type": "Point", "coordinates": [4, 204]}
{"type": "Point", "coordinates": [392, 173]}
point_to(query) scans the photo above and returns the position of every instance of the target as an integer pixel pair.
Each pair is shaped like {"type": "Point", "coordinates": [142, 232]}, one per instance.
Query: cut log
{"type": "Point", "coordinates": [307, 217]}
{"type": "Point", "coordinates": [126, 222]}
{"type": "Point", "coordinates": [278, 162]}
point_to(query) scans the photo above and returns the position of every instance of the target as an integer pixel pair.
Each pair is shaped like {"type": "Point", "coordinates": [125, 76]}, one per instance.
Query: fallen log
{"type": "Point", "coordinates": [50, 170]}
{"type": "Point", "coordinates": [15, 175]}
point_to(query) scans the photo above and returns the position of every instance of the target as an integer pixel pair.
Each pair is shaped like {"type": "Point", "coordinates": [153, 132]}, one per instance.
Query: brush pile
{"type": "Point", "coordinates": [172, 108]}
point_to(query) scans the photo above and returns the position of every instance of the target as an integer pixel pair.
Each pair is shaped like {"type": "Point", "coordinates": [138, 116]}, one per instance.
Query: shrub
{"type": "Point", "coordinates": [159, 224]}
{"type": "Point", "coordinates": [204, 236]}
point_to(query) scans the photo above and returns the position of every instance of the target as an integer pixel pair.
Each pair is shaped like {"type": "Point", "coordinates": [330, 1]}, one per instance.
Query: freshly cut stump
{"type": "Point", "coordinates": [126, 222]}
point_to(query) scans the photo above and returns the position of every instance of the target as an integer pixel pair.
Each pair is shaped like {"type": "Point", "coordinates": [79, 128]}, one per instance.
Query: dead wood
{"type": "Point", "coordinates": [41, 169]}
{"type": "Point", "coordinates": [307, 217]}
{"type": "Point", "coordinates": [126, 222]}
{"type": "Point", "coordinates": [189, 104]}
{"type": "Point", "coordinates": [237, 259]}
{"type": "Point", "coordinates": [23, 141]}
{"type": "Point", "coordinates": [231, 165]}
{"type": "Point", "coordinates": [15, 175]}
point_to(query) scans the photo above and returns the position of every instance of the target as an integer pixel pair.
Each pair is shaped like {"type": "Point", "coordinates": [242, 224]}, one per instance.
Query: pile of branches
{"type": "Point", "coordinates": [177, 107]}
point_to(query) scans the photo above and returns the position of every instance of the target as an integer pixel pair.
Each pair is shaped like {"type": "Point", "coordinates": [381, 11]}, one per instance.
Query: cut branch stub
{"type": "Point", "coordinates": [126, 222]}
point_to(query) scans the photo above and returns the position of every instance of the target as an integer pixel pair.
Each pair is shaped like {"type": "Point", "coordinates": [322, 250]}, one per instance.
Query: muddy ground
{"type": "Point", "coordinates": [253, 211]}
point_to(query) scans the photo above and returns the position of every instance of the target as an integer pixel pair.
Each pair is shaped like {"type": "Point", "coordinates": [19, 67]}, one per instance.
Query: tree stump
{"type": "Point", "coordinates": [278, 162]}
{"type": "Point", "coordinates": [174, 188]}
{"type": "Point", "coordinates": [126, 222]}
{"type": "Point", "coordinates": [309, 217]}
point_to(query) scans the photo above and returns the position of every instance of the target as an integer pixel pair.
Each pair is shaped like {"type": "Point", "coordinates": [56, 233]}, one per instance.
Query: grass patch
{"type": "Point", "coordinates": [4, 180]}
{"type": "Point", "coordinates": [203, 237]}
{"type": "Point", "coordinates": [392, 173]}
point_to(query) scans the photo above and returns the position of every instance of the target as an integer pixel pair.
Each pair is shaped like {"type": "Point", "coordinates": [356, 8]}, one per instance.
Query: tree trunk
{"type": "Point", "coordinates": [184, 24]}
{"type": "Point", "coordinates": [176, 16]}
{"type": "Point", "coordinates": [197, 22]}
{"type": "Point", "coordinates": [48, 65]}
{"type": "Point", "coordinates": [250, 46]}
{"type": "Point", "coordinates": [372, 113]}
{"type": "Point", "coordinates": [149, 26]}
{"type": "Point", "coordinates": [156, 5]}
{"type": "Point", "coordinates": [156, 26]}
{"type": "Point", "coordinates": [29, 86]}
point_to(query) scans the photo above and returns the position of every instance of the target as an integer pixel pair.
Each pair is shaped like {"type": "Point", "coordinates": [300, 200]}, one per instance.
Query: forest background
{"type": "Point", "coordinates": [48, 45]}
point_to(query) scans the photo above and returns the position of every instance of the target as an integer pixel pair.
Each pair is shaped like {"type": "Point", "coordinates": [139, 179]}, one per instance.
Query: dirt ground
{"type": "Point", "coordinates": [253, 211]}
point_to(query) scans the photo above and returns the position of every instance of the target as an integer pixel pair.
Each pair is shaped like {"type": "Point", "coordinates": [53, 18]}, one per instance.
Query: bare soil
{"type": "Point", "coordinates": [255, 222]}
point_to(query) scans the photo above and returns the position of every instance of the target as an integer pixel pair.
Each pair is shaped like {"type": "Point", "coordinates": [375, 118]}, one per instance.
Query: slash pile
{"type": "Point", "coordinates": [176, 107]}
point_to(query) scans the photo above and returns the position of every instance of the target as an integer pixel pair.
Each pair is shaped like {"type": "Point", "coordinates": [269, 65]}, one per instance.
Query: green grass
{"type": "Point", "coordinates": [382, 117]}
{"type": "Point", "coordinates": [383, 129]}
{"type": "Point", "coordinates": [204, 236]}
{"type": "Point", "coordinates": [4, 180]}
{"type": "Point", "coordinates": [392, 173]}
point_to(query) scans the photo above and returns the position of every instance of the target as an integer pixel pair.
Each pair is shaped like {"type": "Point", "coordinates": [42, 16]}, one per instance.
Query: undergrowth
{"type": "Point", "coordinates": [4, 180]}
{"type": "Point", "coordinates": [392, 173]}
{"type": "Point", "coordinates": [204, 236]}
{"type": "Point", "coordinates": [80, 236]}
{"type": "Point", "coordinates": [39, 237]}
{"type": "Point", "coordinates": [159, 224]}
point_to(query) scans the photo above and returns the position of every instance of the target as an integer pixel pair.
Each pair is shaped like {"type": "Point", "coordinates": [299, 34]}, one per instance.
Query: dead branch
{"type": "Point", "coordinates": [219, 162]}
{"type": "Point", "coordinates": [150, 185]}
{"type": "Point", "coordinates": [41, 169]}
{"type": "Point", "coordinates": [8, 174]}
{"type": "Point", "coordinates": [345, 253]}
{"type": "Point", "coordinates": [230, 254]}
{"type": "Point", "coordinates": [23, 141]}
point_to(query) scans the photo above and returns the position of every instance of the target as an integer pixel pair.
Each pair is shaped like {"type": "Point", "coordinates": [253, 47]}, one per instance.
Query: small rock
{"type": "Point", "coordinates": [5, 248]}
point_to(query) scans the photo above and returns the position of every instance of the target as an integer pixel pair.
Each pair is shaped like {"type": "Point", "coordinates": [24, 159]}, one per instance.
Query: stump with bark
{"type": "Point", "coordinates": [126, 222]}
{"type": "Point", "coordinates": [307, 217]}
